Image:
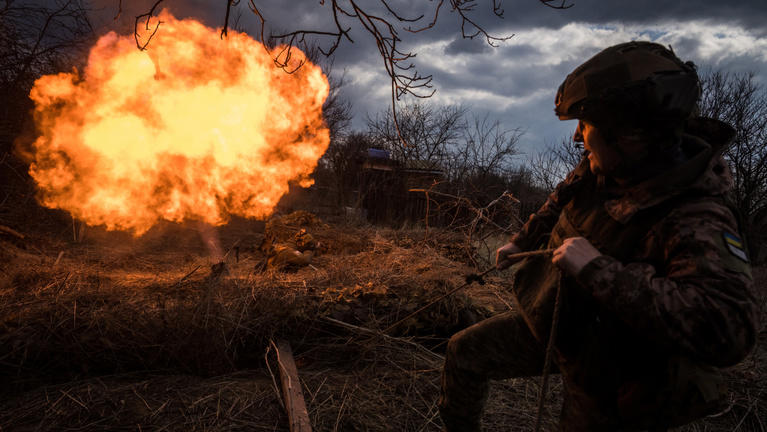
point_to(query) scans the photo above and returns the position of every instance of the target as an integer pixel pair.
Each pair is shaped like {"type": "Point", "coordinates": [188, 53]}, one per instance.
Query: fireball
{"type": "Point", "coordinates": [193, 128]}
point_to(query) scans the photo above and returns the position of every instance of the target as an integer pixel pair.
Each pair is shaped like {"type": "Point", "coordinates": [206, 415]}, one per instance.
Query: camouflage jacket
{"type": "Point", "coordinates": [673, 281]}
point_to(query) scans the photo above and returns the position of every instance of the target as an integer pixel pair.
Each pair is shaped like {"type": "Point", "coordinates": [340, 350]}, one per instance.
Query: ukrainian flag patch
{"type": "Point", "coordinates": [735, 246]}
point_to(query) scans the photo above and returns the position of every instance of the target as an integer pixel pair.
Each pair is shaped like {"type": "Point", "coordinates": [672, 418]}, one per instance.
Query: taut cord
{"type": "Point", "coordinates": [549, 354]}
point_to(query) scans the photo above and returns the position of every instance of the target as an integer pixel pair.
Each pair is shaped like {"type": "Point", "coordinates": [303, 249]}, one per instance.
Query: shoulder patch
{"type": "Point", "coordinates": [735, 246]}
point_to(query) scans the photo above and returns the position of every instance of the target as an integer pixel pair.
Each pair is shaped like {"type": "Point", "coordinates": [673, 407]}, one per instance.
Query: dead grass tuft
{"type": "Point", "coordinates": [138, 334]}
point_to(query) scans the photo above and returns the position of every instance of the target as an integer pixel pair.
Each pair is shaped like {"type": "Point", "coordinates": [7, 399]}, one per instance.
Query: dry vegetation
{"type": "Point", "coordinates": [113, 333]}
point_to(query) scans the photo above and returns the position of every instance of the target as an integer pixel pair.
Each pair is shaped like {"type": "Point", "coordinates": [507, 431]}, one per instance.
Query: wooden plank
{"type": "Point", "coordinates": [11, 231]}
{"type": "Point", "coordinates": [298, 416]}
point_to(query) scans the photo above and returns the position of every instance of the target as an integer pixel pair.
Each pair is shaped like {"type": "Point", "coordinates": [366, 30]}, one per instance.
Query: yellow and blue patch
{"type": "Point", "coordinates": [735, 246]}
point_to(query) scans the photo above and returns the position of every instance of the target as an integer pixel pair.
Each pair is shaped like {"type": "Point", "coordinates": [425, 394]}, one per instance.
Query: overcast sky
{"type": "Point", "coordinates": [516, 81]}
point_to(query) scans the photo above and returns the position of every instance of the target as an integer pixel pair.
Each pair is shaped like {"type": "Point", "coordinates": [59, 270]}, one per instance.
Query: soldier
{"type": "Point", "coordinates": [284, 256]}
{"type": "Point", "coordinates": [305, 241]}
{"type": "Point", "coordinates": [655, 289]}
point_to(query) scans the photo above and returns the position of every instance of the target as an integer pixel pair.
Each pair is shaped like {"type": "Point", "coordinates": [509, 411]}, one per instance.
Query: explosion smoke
{"type": "Point", "coordinates": [194, 128]}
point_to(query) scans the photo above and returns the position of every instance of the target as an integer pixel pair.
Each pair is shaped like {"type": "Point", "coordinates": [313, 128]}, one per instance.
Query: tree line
{"type": "Point", "coordinates": [479, 157]}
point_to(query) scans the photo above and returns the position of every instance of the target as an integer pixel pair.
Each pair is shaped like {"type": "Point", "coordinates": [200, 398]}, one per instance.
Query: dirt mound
{"type": "Point", "coordinates": [347, 241]}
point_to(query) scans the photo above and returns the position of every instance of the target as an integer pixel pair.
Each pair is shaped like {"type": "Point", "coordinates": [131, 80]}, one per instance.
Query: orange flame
{"type": "Point", "coordinates": [194, 128]}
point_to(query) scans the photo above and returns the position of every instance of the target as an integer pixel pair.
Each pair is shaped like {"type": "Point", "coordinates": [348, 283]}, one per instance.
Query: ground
{"type": "Point", "coordinates": [103, 331]}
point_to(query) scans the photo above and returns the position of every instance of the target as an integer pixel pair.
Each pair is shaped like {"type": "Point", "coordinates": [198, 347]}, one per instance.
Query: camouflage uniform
{"type": "Point", "coordinates": [289, 256]}
{"type": "Point", "coordinates": [643, 327]}
{"type": "Point", "coordinates": [305, 241]}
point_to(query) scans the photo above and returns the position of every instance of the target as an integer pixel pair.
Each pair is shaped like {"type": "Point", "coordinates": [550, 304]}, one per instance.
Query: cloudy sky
{"type": "Point", "coordinates": [516, 81]}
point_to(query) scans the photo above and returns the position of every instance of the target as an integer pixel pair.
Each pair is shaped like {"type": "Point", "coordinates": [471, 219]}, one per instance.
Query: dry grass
{"type": "Point", "coordinates": [124, 334]}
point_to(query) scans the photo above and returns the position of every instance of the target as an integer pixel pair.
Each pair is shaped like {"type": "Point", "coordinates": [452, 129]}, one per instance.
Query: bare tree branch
{"type": "Point", "coordinates": [562, 5]}
{"type": "Point", "coordinates": [742, 102]}
{"type": "Point", "coordinates": [550, 166]}
{"type": "Point", "coordinates": [37, 39]}
{"type": "Point", "coordinates": [148, 16]}
{"type": "Point", "coordinates": [382, 22]}
{"type": "Point", "coordinates": [431, 133]}
{"type": "Point", "coordinates": [225, 28]}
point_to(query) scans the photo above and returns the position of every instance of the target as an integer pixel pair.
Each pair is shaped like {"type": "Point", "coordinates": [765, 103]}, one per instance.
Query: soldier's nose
{"type": "Point", "coordinates": [578, 135]}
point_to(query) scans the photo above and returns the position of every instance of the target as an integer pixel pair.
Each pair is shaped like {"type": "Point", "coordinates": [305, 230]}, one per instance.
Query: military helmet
{"type": "Point", "coordinates": [631, 84]}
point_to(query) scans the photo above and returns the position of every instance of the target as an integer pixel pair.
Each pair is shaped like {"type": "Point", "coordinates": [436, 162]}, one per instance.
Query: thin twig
{"type": "Point", "coordinates": [187, 275]}
{"type": "Point", "coordinates": [148, 16]}
{"type": "Point", "coordinates": [549, 354]}
{"type": "Point", "coordinates": [11, 231]}
{"type": "Point", "coordinates": [385, 336]}
{"type": "Point", "coordinates": [271, 374]}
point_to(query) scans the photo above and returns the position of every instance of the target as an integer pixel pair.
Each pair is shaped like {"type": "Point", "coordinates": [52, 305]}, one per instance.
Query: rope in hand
{"type": "Point", "coordinates": [471, 278]}
{"type": "Point", "coordinates": [549, 352]}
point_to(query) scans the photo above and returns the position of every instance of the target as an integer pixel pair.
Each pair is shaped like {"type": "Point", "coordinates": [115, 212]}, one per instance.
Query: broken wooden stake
{"type": "Point", "coordinates": [58, 258]}
{"type": "Point", "coordinates": [292, 394]}
{"type": "Point", "coordinates": [11, 231]}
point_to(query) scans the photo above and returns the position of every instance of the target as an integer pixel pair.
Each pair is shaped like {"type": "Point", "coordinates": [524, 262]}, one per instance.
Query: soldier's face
{"type": "Point", "coordinates": [603, 159]}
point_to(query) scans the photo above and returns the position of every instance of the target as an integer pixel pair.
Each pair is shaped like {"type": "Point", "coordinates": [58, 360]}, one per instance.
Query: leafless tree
{"type": "Point", "coordinates": [341, 163]}
{"type": "Point", "coordinates": [475, 153]}
{"type": "Point", "coordinates": [742, 102]}
{"type": "Point", "coordinates": [550, 166]}
{"type": "Point", "coordinates": [337, 111]}
{"type": "Point", "coordinates": [36, 37]}
{"type": "Point", "coordinates": [430, 133]}
{"type": "Point", "coordinates": [484, 148]}
{"type": "Point", "coordinates": [481, 202]}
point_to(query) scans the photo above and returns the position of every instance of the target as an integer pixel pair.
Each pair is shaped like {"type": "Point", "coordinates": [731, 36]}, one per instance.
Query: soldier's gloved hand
{"type": "Point", "coordinates": [501, 260]}
{"type": "Point", "coordinates": [574, 254]}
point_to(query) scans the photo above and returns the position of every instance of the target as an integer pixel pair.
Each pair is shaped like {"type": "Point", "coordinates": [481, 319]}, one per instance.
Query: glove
{"type": "Point", "coordinates": [501, 260]}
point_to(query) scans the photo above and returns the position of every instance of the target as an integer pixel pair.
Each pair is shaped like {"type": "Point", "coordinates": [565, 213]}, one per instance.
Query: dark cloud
{"type": "Point", "coordinates": [497, 79]}
{"type": "Point", "coordinates": [518, 15]}
{"type": "Point", "coordinates": [521, 51]}
{"type": "Point", "coordinates": [461, 45]}
{"type": "Point", "coordinates": [750, 14]}
{"type": "Point", "coordinates": [513, 71]}
{"type": "Point", "coordinates": [685, 46]}
{"type": "Point", "coordinates": [516, 81]}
